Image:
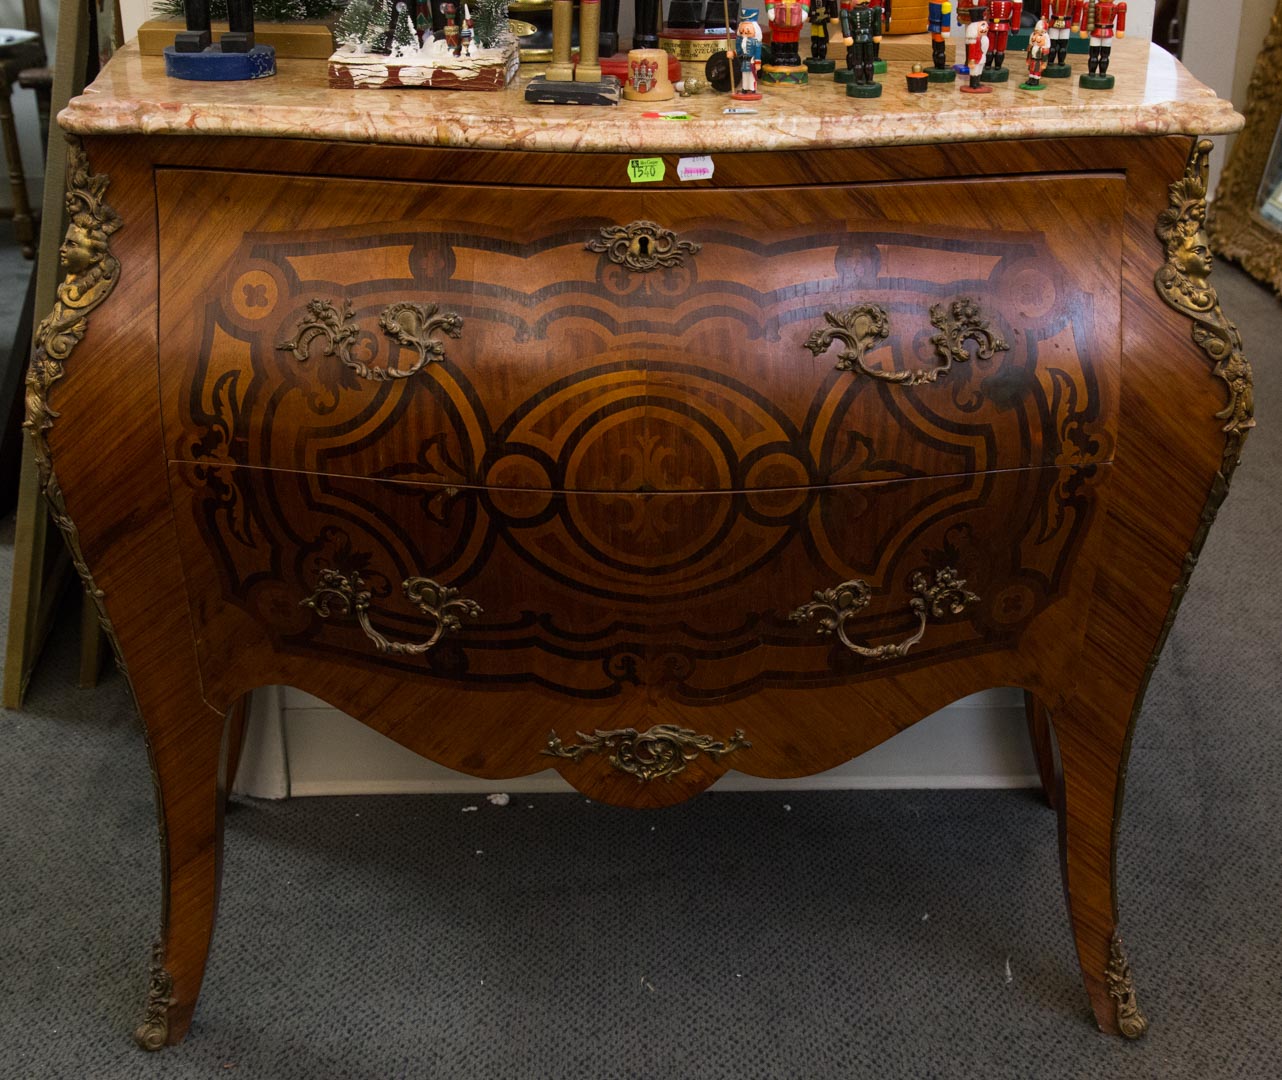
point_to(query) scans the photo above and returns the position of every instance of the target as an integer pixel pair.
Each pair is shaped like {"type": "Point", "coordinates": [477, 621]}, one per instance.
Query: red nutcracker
{"type": "Point", "coordinates": [1001, 15]}
{"type": "Point", "coordinates": [1101, 21]}
{"type": "Point", "coordinates": [977, 46]}
{"type": "Point", "coordinates": [1059, 22]}
{"type": "Point", "coordinates": [785, 17]}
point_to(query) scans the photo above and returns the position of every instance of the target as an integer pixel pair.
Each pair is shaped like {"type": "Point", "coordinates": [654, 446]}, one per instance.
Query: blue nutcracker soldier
{"type": "Point", "coordinates": [939, 22]}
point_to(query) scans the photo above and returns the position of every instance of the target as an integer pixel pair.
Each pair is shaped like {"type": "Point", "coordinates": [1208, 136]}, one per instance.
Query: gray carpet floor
{"type": "Point", "coordinates": [860, 934]}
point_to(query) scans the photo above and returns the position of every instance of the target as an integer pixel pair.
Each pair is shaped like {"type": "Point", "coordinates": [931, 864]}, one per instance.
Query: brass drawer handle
{"type": "Point", "coordinates": [408, 323]}
{"type": "Point", "coordinates": [663, 751]}
{"type": "Point", "coordinates": [348, 595]}
{"type": "Point", "coordinates": [642, 246]}
{"type": "Point", "coordinates": [946, 596]}
{"type": "Point", "coordinates": [864, 326]}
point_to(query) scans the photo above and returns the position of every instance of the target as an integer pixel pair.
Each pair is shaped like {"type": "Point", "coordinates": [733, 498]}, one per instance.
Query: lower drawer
{"type": "Point", "coordinates": [522, 612]}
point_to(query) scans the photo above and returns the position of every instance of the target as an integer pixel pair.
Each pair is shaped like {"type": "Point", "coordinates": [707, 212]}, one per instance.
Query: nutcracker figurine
{"type": "Point", "coordinates": [861, 30]}
{"type": "Point", "coordinates": [466, 33]}
{"type": "Point", "coordinates": [1101, 20]}
{"type": "Point", "coordinates": [1001, 15]}
{"type": "Point", "coordinates": [963, 15]}
{"type": "Point", "coordinates": [878, 64]}
{"type": "Point", "coordinates": [1039, 50]}
{"type": "Point", "coordinates": [747, 55]}
{"type": "Point", "coordinates": [940, 21]}
{"type": "Point", "coordinates": [977, 46]}
{"type": "Point", "coordinates": [1059, 20]}
{"type": "Point", "coordinates": [451, 33]}
{"type": "Point", "coordinates": [820, 15]}
{"type": "Point", "coordinates": [785, 70]}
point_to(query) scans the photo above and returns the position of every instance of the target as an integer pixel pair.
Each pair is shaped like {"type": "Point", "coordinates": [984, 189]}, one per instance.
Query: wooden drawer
{"type": "Point", "coordinates": [572, 372]}
{"type": "Point", "coordinates": [696, 598]}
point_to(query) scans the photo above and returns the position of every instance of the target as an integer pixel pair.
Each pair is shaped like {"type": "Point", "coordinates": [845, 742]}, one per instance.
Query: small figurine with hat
{"type": "Point", "coordinates": [747, 49]}
{"type": "Point", "coordinates": [977, 45]}
{"type": "Point", "coordinates": [1039, 52]}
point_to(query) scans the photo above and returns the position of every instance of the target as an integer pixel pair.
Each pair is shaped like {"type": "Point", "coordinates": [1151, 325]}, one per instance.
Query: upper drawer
{"type": "Point", "coordinates": [786, 337]}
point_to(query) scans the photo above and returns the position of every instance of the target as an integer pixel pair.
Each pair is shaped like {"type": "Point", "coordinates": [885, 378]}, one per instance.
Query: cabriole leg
{"type": "Point", "coordinates": [189, 763]}
{"type": "Point", "coordinates": [1092, 747]}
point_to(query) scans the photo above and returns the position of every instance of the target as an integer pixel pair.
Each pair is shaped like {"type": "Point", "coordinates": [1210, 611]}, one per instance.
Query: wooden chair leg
{"type": "Point", "coordinates": [190, 790]}
{"type": "Point", "coordinates": [1043, 740]}
{"type": "Point", "coordinates": [24, 226]}
{"type": "Point", "coordinates": [1092, 746]}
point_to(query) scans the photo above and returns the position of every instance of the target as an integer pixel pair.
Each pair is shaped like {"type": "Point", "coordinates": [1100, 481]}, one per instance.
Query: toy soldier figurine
{"type": "Point", "coordinates": [965, 12]}
{"type": "Point", "coordinates": [453, 40]}
{"type": "Point", "coordinates": [940, 20]}
{"type": "Point", "coordinates": [1059, 20]}
{"type": "Point", "coordinates": [785, 70]}
{"type": "Point", "coordinates": [878, 64]}
{"type": "Point", "coordinates": [748, 53]}
{"type": "Point", "coordinates": [1101, 20]}
{"type": "Point", "coordinates": [1001, 14]}
{"type": "Point", "coordinates": [820, 15]}
{"type": "Point", "coordinates": [423, 21]}
{"type": "Point", "coordinates": [977, 45]}
{"type": "Point", "coordinates": [1039, 49]}
{"type": "Point", "coordinates": [861, 30]}
{"type": "Point", "coordinates": [464, 47]}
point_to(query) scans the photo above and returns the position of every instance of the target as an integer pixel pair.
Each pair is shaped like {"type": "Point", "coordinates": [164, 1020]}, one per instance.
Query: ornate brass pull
{"type": "Point", "coordinates": [946, 596]}
{"type": "Point", "coordinates": [642, 246]}
{"type": "Point", "coordinates": [663, 751]}
{"type": "Point", "coordinates": [864, 326]}
{"type": "Point", "coordinates": [346, 594]}
{"type": "Point", "coordinates": [407, 323]}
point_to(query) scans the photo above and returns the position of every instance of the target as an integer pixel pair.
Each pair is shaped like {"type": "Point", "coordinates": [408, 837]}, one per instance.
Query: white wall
{"type": "Point", "coordinates": [1221, 41]}
{"type": "Point", "coordinates": [132, 14]}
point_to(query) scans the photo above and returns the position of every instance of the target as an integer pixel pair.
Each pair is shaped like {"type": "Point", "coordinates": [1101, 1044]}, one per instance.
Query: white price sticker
{"type": "Point", "coordinates": [695, 168]}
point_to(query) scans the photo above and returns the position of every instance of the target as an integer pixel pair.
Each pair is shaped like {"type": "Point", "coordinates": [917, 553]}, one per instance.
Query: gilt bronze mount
{"type": "Point", "coordinates": [411, 325]}
{"type": "Point", "coordinates": [662, 751]}
{"type": "Point", "coordinates": [865, 326]}
{"type": "Point", "coordinates": [945, 596]}
{"type": "Point", "coordinates": [346, 594]}
{"type": "Point", "coordinates": [642, 246]}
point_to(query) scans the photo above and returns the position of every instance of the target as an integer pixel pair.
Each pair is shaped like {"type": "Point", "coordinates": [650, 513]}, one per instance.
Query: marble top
{"type": "Point", "coordinates": [1155, 95]}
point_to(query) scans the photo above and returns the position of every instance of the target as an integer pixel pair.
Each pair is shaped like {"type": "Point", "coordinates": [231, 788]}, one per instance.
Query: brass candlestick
{"type": "Point", "coordinates": [589, 68]}
{"type": "Point", "coordinates": [561, 69]}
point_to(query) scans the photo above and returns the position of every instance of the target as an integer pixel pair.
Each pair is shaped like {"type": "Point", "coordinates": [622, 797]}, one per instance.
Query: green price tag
{"type": "Point", "coordinates": [645, 170]}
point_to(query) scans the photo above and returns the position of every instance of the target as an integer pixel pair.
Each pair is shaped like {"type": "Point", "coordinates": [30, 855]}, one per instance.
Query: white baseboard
{"type": "Point", "coordinates": [298, 745]}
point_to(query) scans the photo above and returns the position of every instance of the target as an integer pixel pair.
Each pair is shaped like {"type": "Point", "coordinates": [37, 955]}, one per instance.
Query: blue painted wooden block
{"type": "Point", "coordinates": [214, 65]}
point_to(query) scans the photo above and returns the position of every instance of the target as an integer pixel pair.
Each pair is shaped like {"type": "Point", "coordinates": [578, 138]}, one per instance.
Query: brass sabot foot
{"type": "Point", "coordinates": [1121, 988]}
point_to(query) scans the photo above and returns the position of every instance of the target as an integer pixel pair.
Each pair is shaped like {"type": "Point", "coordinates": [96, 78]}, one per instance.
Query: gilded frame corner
{"type": "Point", "coordinates": [1237, 229]}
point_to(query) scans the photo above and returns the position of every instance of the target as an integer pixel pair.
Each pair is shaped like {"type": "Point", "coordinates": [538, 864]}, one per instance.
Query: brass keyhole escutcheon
{"type": "Point", "coordinates": [642, 246]}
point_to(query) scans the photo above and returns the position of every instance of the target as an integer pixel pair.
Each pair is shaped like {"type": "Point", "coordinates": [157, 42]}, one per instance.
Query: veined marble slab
{"type": "Point", "coordinates": [1155, 95]}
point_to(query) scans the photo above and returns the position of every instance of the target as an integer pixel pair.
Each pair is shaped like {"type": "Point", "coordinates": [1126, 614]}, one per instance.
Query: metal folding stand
{"type": "Point", "coordinates": [41, 564]}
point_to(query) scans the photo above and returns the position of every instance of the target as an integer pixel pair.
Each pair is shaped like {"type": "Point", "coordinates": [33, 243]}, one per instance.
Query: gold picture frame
{"type": "Point", "coordinates": [1238, 228]}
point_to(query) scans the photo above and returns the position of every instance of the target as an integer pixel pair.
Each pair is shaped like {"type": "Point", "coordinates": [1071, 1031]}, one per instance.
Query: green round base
{"type": "Point", "coordinates": [996, 75]}
{"type": "Point", "coordinates": [879, 67]}
{"type": "Point", "coordinates": [820, 67]}
{"type": "Point", "coordinates": [941, 74]}
{"type": "Point", "coordinates": [863, 90]}
{"type": "Point", "coordinates": [1032, 86]}
{"type": "Point", "coordinates": [845, 75]}
{"type": "Point", "coordinates": [1096, 82]}
{"type": "Point", "coordinates": [1057, 71]}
